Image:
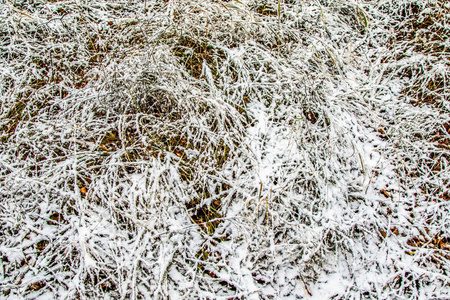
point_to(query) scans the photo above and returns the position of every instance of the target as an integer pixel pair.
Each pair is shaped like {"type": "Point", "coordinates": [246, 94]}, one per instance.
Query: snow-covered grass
{"type": "Point", "coordinates": [224, 149]}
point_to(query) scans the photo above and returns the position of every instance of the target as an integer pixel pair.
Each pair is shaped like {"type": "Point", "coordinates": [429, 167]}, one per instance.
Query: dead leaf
{"type": "Point", "coordinates": [385, 193]}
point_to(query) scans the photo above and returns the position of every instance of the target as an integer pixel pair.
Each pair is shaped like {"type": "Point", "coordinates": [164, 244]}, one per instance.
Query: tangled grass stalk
{"type": "Point", "coordinates": [224, 149]}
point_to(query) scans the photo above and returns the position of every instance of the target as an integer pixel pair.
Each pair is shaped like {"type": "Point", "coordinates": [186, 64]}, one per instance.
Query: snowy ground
{"type": "Point", "coordinates": [224, 149]}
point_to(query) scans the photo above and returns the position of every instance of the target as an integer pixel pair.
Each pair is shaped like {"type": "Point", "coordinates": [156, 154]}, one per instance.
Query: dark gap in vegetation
{"type": "Point", "coordinates": [265, 8]}
{"type": "Point", "coordinates": [208, 217]}
{"type": "Point", "coordinates": [56, 218]}
{"type": "Point", "coordinates": [41, 245]}
{"type": "Point", "coordinates": [192, 53]}
{"type": "Point", "coordinates": [36, 286]}
{"type": "Point", "coordinates": [102, 280]}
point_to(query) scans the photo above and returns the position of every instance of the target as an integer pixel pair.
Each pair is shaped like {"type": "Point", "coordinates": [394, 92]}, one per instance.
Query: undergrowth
{"type": "Point", "coordinates": [224, 149]}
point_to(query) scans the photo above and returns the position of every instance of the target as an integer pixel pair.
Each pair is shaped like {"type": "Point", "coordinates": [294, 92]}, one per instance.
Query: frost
{"type": "Point", "coordinates": [224, 149]}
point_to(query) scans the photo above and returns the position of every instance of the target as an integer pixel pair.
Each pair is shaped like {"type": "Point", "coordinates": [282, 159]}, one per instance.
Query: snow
{"type": "Point", "coordinates": [295, 166]}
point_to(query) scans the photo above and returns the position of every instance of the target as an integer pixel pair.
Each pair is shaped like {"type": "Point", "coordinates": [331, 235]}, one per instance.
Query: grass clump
{"type": "Point", "coordinates": [224, 149]}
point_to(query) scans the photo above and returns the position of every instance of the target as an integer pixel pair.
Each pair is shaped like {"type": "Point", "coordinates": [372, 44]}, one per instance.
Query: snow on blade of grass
{"type": "Point", "coordinates": [224, 149]}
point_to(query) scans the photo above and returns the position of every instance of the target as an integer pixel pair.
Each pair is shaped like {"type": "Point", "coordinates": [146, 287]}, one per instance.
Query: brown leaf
{"type": "Point", "coordinates": [385, 193]}
{"type": "Point", "coordinates": [395, 230]}
{"type": "Point", "coordinates": [37, 286]}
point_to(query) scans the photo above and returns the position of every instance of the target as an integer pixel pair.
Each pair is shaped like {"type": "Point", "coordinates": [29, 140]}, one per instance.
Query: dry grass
{"type": "Point", "coordinates": [207, 149]}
